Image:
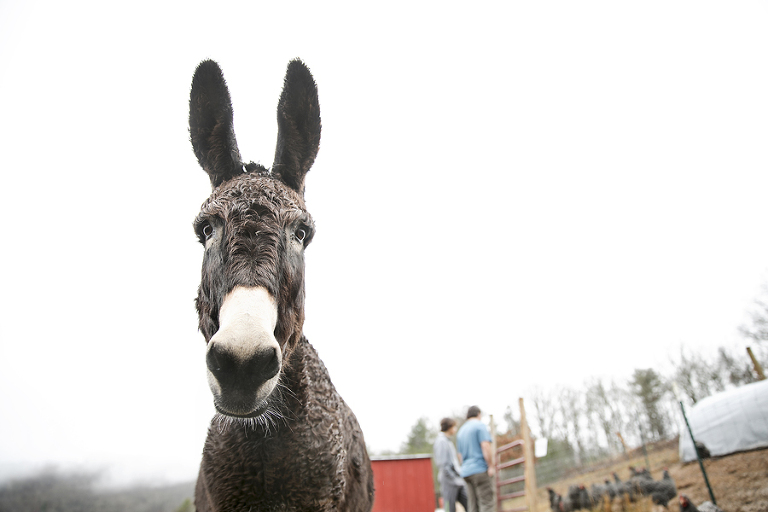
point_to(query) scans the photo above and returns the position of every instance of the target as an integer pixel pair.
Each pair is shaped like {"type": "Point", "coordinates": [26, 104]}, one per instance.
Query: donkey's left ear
{"type": "Point", "coordinates": [298, 126]}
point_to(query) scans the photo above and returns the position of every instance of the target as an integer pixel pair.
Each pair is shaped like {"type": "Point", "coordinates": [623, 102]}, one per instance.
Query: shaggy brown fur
{"type": "Point", "coordinates": [306, 450]}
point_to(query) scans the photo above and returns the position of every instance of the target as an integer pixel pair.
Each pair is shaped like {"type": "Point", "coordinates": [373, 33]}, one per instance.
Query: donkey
{"type": "Point", "coordinates": [282, 438]}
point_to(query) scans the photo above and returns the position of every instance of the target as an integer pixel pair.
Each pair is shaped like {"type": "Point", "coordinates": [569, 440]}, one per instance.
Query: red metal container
{"type": "Point", "coordinates": [403, 484]}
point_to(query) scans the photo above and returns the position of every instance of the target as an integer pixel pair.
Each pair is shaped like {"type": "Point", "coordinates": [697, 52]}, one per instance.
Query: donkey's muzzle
{"type": "Point", "coordinates": [243, 357]}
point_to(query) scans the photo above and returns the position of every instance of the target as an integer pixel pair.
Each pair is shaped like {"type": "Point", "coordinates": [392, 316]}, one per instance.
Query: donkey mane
{"type": "Point", "coordinates": [282, 438]}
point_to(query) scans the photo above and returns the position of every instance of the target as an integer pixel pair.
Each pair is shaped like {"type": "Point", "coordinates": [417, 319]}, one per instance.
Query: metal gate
{"type": "Point", "coordinates": [528, 460]}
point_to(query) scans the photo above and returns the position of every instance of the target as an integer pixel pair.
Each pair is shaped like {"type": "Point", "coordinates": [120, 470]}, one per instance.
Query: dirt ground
{"type": "Point", "coordinates": [739, 481]}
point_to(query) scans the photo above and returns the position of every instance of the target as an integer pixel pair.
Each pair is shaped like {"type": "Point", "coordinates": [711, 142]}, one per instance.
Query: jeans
{"type": "Point", "coordinates": [480, 493]}
{"type": "Point", "coordinates": [461, 497]}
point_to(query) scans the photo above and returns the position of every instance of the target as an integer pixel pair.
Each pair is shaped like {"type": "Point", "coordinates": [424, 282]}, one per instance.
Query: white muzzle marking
{"type": "Point", "coordinates": [247, 323]}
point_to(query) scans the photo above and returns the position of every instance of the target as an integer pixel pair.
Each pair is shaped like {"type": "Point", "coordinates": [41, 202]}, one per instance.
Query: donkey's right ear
{"type": "Point", "coordinates": [210, 124]}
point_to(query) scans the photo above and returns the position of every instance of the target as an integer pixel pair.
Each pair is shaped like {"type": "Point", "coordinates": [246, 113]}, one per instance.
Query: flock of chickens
{"type": "Point", "coordinates": [640, 484]}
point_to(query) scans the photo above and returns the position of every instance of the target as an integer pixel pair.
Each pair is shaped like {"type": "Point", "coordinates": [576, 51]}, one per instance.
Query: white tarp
{"type": "Point", "coordinates": [732, 421]}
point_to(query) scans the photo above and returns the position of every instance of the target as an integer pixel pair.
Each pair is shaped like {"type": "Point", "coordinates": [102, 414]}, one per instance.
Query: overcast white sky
{"type": "Point", "coordinates": [507, 195]}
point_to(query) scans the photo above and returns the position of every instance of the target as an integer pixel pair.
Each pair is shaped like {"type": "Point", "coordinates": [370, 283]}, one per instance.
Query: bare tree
{"type": "Point", "coordinates": [513, 425]}
{"type": "Point", "coordinates": [624, 412]}
{"type": "Point", "coordinates": [757, 328]}
{"type": "Point", "coordinates": [735, 371]}
{"type": "Point", "coordinates": [697, 377]}
{"type": "Point", "coordinates": [571, 413]}
{"type": "Point", "coordinates": [605, 412]}
{"type": "Point", "coordinates": [544, 411]}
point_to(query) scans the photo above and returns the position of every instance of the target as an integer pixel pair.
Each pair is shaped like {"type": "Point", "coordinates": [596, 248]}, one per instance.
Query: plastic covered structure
{"type": "Point", "coordinates": [732, 421]}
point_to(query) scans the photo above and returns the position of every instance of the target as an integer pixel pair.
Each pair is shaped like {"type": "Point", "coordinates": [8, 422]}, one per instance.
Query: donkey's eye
{"type": "Point", "coordinates": [207, 231]}
{"type": "Point", "coordinates": [300, 234]}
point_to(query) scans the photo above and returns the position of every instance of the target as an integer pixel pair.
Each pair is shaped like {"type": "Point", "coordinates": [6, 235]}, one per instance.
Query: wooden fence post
{"type": "Point", "coordinates": [756, 364]}
{"type": "Point", "coordinates": [624, 445]}
{"type": "Point", "coordinates": [494, 462]}
{"type": "Point", "coordinates": [530, 469]}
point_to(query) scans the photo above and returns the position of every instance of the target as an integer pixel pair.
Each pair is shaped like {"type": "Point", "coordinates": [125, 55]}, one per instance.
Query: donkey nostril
{"type": "Point", "coordinates": [219, 361]}
{"type": "Point", "coordinates": [265, 364]}
{"type": "Point", "coordinates": [272, 365]}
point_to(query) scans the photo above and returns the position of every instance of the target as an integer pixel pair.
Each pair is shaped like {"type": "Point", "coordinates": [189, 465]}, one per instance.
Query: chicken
{"type": "Point", "coordinates": [686, 505]}
{"type": "Point", "coordinates": [622, 488]}
{"type": "Point", "coordinates": [598, 491]}
{"type": "Point", "coordinates": [660, 491]}
{"type": "Point", "coordinates": [585, 500]}
{"type": "Point", "coordinates": [702, 451]}
{"type": "Point", "coordinates": [555, 500]}
{"type": "Point", "coordinates": [572, 500]}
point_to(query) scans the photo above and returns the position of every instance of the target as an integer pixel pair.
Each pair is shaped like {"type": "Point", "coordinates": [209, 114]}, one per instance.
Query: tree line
{"type": "Point", "coordinates": [57, 491]}
{"type": "Point", "coordinates": [604, 418]}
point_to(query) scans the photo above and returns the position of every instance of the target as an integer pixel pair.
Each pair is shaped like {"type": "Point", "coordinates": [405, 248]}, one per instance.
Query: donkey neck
{"type": "Point", "coordinates": [277, 451]}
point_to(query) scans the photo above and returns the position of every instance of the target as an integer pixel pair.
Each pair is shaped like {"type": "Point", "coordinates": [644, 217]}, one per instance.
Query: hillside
{"type": "Point", "coordinates": [68, 492]}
